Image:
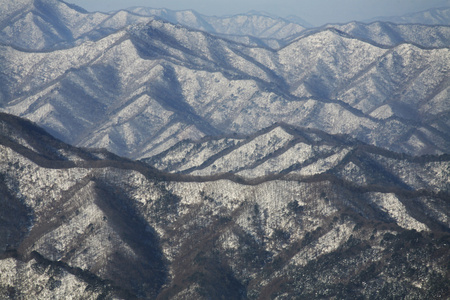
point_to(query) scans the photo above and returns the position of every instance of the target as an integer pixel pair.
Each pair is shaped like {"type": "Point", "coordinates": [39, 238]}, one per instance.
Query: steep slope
{"type": "Point", "coordinates": [50, 24]}
{"type": "Point", "coordinates": [316, 68]}
{"type": "Point", "coordinates": [114, 228]}
{"type": "Point", "coordinates": [159, 83]}
{"type": "Point", "coordinates": [269, 151]}
{"type": "Point", "coordinates": [285, 151]}
{"type": "Point", "coordinates": [67, 208]}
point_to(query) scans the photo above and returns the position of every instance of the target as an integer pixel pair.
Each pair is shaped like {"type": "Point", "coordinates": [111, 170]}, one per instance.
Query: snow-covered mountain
{"type": "Point", "coordinates": [434, 16]}
{"type": "Point", "coordinates": [285, 151]}
{"type": "Point", "coordinates": [88, 224]}
{"type": "Point", "coordinates": [255, 24]}
{"type": "Point", "coordinates": [50, 24]}
{"type": "Point", "coordinates": [266, 172]}
{"type": "Point", "coordinates": [54, 24]}
{"type": "Point", "coordinates": [155, 84]}
{"type": "Point", "coordinates": [390, 34]}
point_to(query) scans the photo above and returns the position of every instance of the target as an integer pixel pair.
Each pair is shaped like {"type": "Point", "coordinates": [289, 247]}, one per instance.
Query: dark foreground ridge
{"type": "Point", "coordinates": [88, 223]}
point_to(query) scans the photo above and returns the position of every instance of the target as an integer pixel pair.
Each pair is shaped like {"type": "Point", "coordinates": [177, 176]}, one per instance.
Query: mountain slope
{"type": "Point", "coordinates": [50, 24]}
{"type": "Point", "coordinates": [263, 201]}
{"type": "Point", "coordinates": [65, 171]}
{"type": "Point", "coordinates": [390, 34]}
{"type": "Point", "coordinates": [155, 84]}
{"type": "Point", "coordinates": [54, 24]}
{"type": "Point", "coordinates": [176, 83]}
{"type": "Point", "coordinates": [285, 151]}
{"type": "Point", "coordinates": [109, 227]}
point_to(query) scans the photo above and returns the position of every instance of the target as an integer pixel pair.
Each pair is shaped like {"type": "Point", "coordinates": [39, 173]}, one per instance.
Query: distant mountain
{"type": "Point", "coordinates": [50, 24]}
{"type": "Point", "coordinates": [390, 34]}
{"type": "Point", "coordinates": [298, 20]}
{"type": "Point", "coordinates": [88, 224]}
{"type": "Point", "coordinates": [159, 83]}
{"type": "Point", "coordinates": [434, 16]}
{"type": "Point", "coordinates": [155, 84]}
{"type": "Point", "coordinates": [255, 24]}
{"type": "Point", "coordinates": [54, 24]}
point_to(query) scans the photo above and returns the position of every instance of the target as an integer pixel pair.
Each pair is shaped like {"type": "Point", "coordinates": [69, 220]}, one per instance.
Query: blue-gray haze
{"type": "Point", "coordinates": [316, 12]}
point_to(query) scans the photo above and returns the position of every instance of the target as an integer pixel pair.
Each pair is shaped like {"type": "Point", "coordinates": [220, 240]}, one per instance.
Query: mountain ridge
{"type": "Point", "coordinates": [259, 70]}
{"type": "Point", "coordinates": [79, 211]}
{"type": "Point", "coordinates": [53, 28]}
{"type": "Point", "coordinates": [300, 155]}
{"type": "Point", "coordinates": [220, 24]}
{"type": "Point", "coordinates": [366, 32]}
{"type": "Point", "coordinates": [430, 16]}
{"type": "Point", "coordinates": [267, 168]}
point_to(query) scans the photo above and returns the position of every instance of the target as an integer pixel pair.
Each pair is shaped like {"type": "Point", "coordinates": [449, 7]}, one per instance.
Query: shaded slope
{"type": "Point", "coordinates": [78, 223]}
{"type": "Point", "coordinates": [116, 228]}
{"type": "Point", "coordinates": [157, 84]}
{"type": "Point", "coordinates": [53, 24]}
{"type": "Point", "coordinates": [285, 151]}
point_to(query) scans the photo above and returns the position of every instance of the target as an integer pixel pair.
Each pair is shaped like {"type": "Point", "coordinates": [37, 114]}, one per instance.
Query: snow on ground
{"type": "Point", "coordinates": [390, 204]}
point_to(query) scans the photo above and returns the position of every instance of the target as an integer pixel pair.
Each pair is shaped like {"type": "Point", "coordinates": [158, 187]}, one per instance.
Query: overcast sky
{"type": "Point", "coordinates": [316, 12]}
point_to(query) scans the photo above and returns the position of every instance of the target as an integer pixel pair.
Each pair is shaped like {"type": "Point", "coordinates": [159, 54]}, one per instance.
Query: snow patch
{"type": "Point", "coordinates": [389, 203]}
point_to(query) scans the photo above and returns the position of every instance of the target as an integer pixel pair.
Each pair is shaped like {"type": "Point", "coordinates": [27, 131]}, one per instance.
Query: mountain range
{"type": "Point", "coordinates": [434, 16]}
{"type": "Point", "coordinates": [288, 152]}
{"type": "Point", "coordinates": [48, 24]}
{"type": "Point", "coordinates": [53, 24]}
{"type": "Point", "coordinates": [157, 83]}
{"type": "Point", "coordinates": [157, 154]}
{"type": "Point", "coordinates": [88, 224]}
